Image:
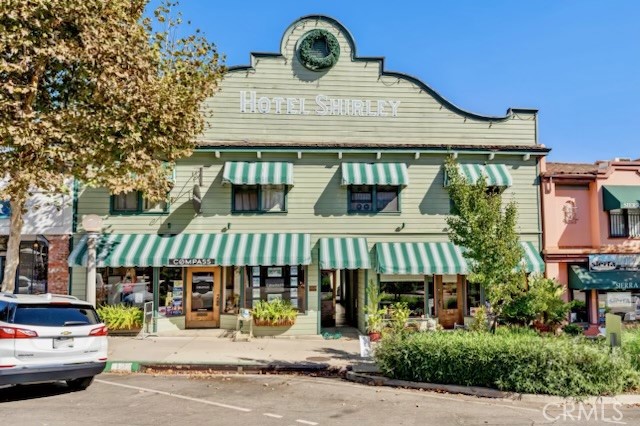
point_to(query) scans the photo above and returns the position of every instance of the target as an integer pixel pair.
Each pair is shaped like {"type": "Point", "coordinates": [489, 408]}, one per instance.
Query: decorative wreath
{"type": "Point", "coordinates": [311, 61]}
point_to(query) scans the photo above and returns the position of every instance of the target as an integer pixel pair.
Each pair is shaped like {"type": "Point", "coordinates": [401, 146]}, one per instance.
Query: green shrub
{"type": "Point", "coordinates": [121, 317]}
{"type": "Point", "coordinates": [399, 315]}
{"type": "Point", "coordinates": [573, 329]}
{"type": "Point", "coordinates": [631, 346]}
{"type": "Point", "coordinates": [510, 361]}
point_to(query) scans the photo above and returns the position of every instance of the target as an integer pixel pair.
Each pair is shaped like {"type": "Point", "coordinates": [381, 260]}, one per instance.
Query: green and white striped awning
{"type": "Point", "coordinates": [117, 250]}
{"type": "Point", "coordinates": [265, 249]}
{"type": "Point", "coordinates": [344, 253]}
{"type": "Point", "coordinates": [532, 260]}
{"type": "Point", "coordinates": [257, 173]}
{"type": "Point", "coordinates": [374, 174]}
{"type": "Point", "coordinates": [420, 258]}
{"type": "Point", "coordinates": [438, 258]}
{"type": "Point", "coordinates": [495, 174]}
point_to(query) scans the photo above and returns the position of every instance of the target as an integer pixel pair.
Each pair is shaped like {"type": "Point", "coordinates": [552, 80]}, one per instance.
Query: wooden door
{"type": "Point", "coordinates": [449, 302]}
{"type": "Point", "coordinates": [203, 297]}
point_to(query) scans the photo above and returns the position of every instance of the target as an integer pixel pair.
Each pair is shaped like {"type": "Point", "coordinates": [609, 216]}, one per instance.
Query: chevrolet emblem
{"type": "Point", "coordinates": [65, 333]}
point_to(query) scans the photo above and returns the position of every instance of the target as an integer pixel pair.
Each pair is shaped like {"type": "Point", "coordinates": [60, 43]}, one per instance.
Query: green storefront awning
{"type": "Point", "coordinates": [438, 258]}
{"type": "Point", "coordinates": [581, 278]}
{"type": "Point", "coordinates": [257, 173]}
{"type": "Point", "coordinates": [420, 258]}
{"type": "Point", "coordinates": [495, 174]}
{"type": "Point", "coordinates": [344, 253]}
{"type": "Point", "coordinates": [621, 197]}
{"type": "Point", "coordinates": [374, 174]}
{"type": "Point", "coordinates": [265, 249]}
{"type": "Point", "coordinates": [115, 250]}
{"type": "Point", "coordinates": [532, 260]}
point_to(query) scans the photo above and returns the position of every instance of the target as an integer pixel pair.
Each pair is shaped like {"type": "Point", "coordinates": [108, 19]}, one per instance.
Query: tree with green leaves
{"type": "Point", "coordinates": [91, 89]}
{"type": "Point", "coordinates": [487, 231]}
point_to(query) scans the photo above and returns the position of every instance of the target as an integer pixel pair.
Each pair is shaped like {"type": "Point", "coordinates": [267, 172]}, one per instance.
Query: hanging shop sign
{"type": "Point", "coordinates": [612, 262]}
{"type": "Point", "coordinates": [250, 102]}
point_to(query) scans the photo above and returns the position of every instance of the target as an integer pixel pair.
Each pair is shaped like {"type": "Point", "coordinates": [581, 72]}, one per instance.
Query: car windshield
{"type": "Point", "coordinates": [55, 315]}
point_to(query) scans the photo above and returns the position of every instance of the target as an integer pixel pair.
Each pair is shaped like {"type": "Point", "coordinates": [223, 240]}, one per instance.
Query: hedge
{"type": "Point", "coordinates": [515, 362]}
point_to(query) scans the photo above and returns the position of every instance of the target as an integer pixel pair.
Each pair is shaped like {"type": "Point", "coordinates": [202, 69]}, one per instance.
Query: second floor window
{"type": "Point", "coordinates": [624, 223]}
{"type": "Point", "coordinates": [373, 198]}
{"type": "Point", "coordinates": [134, 202]}
{"type": "Point", "coordinates": [259, 198]}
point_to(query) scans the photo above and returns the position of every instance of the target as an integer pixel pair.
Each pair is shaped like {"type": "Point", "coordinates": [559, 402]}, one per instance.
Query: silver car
{"type": "Point", "coordinates": [45, 338]}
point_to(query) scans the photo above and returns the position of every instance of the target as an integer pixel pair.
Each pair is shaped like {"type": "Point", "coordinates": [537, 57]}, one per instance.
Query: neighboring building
{"type": "Point", "coordinates": [44, 246]}
{"type": "Point", "coordinates": [319, 172]}
{"type": "Point", "coordinates": [591, 224]}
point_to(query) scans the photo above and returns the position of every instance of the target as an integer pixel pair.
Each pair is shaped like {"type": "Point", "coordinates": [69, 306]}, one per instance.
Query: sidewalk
{"type": "Point", "coordinates": [214, 349]}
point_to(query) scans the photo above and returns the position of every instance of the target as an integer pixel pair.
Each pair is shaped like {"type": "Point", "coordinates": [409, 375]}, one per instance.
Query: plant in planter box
{"type": "Point", "coordinates": [374, 315]}
{"type": "Point", "coordinates": [276, 312]}
{"type": "Point", "coordinates": [399, 314]}
{"type": "Point", "coordinates": [121, 317]}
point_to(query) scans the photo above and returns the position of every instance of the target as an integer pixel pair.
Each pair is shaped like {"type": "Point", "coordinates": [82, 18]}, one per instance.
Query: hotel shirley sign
{"type": "Point", "coordinates": [251, 103]}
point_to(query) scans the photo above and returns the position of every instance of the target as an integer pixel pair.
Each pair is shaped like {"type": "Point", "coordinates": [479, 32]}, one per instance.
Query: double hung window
{"type": "Point", "coordinates": [374, 198]}
{"type": "Point", "coordinates": [133, 202]}
{"type": "Point", "coordinates": [259, 198]}
{"type": "Point", "coordinates": [624, 223]}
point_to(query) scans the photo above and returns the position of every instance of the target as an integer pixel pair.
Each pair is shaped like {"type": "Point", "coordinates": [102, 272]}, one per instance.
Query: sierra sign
{"type": "Point", "coordinates": [250, 102]}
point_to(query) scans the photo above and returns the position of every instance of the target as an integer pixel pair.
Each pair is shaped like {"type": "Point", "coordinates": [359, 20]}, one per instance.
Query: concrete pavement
{"type": "Point", "coordinates": [217, 349]}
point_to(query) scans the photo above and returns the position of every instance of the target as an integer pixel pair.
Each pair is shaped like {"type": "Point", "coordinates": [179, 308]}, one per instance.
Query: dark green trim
{"type": "Point", "coordinates": [74, 213]}
{"type": "Point", "coordinates": [242, 303]}
{"type": "Point", "coordinates": [422, 149]}
{"type": "Point", "coordinates": [374, 201]}
{"type": "Point", "coordinates": [139, 211]}
{"type": "Point", "coordinates": [260, 210]}
{"type": "Point", "coordinates": [156, 297]}
{"type": "Point", "coordinates": [319, 313]}
{"type": "Point", "coordinates": [427, 311]}
{"type": "Point", "coordinates": [380, 61]}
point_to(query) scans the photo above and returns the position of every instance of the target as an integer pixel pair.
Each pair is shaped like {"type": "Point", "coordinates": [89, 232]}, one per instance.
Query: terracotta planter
{"type": "Point", "coordinates": [374, 336]}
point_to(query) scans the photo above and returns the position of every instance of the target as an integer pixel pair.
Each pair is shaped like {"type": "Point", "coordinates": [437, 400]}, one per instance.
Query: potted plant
{"type": "Point", "coordinates": [374, 317]}
{"type": "Point", "coordinates": [276, 312]}
{"type": "Point", "coordinates": [121, 319]}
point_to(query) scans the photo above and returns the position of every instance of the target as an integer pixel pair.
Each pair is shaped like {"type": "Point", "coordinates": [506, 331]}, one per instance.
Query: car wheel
{"type": "Point", "coordinates": [80, 384]}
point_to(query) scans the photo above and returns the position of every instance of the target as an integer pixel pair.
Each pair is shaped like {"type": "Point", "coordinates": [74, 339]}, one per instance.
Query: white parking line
{"type": "Point", "coordinates": [306, 422]}
{"type": "Point", "coordinates": [159, 392]}
{"type": "Point", "coordinates": [275, 416]}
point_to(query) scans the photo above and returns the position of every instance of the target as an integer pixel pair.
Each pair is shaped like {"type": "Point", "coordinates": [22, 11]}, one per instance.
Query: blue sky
{"type": "Point", "coordinates": [577, 61]}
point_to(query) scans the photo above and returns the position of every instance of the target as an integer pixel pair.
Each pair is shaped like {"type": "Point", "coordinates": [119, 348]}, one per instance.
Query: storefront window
{"type": "Point", "coordinates": [411, 292]}
{"type": "Point", "coordinates": [32, 267]}
{"type": "Point", "coordinates": [626, 304]}
{"type": "Point", "coordinates": [579, 309]}
{"type": "Point", "coordinates": [474, 300]}
{"type": "Point", "coordinates": [276, 282]}
{"type": "Point", "coordinates": [232, 290]}
{"type": "Point", "coordinates": [171, 288]}
{"type": "Point", "coordinates": [131, 286]}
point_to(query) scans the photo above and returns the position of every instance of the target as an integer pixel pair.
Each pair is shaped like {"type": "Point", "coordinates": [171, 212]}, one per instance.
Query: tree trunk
{"type": "Point", "coordinates": [13, 246]}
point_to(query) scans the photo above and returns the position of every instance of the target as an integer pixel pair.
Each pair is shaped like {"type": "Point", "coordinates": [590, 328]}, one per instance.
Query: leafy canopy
{"type": "Point", "coordinates": [91, 90]}
{"type": "Point", "coordinates": [487, 231]}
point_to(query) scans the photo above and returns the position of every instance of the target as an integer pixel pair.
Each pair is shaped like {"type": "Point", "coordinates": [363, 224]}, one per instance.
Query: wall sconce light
{"type": "Point", "coordinates": [401, 227]}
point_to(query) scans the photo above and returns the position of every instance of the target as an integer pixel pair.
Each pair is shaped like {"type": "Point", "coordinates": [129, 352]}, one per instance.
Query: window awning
{"type": "Point", "coordinates": [115, 250]}
{"type": "Point", "coordinates": [532, 260]}
{"type": "Point", "coordinates": [258, 173]}
{"type": "Point", "coordinates": [621, 197]}
{"type": "Point", "coordinates": [495, 174]}
{"type": "Point", "coordinates": [438, 258]}
{"type": "Point", "coordinates": [420, 258]}
{"type": "Point", "coordinates": [374, 174]}
{"type": "Point", "coordinates": [581, 278]}
{"type": "Point", "coordinates": [344, 253]}
{"type": "Point", "coordinates": [265, 249]}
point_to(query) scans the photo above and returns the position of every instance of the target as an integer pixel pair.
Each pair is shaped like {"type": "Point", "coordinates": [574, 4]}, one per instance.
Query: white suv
{"type": "Point", "coordinates": [45, 338]}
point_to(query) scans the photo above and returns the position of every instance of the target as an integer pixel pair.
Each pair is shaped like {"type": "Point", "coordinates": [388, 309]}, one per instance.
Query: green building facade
{"type": "Point", "coordinates": [318, 172]}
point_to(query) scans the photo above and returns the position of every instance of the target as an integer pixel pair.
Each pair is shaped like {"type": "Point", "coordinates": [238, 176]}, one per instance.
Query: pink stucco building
{"type": "Point", "coordinates": [591, 235]}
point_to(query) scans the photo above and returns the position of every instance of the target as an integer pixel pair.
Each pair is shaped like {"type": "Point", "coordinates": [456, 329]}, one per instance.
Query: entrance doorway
{"type": "Point", "coordinates": [203, 297]}
{"type": "Point", "coordinates": [449, 294]}
{"type": "Point", "coordinates": [349, 298]}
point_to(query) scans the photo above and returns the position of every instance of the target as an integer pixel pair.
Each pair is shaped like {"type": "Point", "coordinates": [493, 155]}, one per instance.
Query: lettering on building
{"type": "Point", "coordinates": [251, 103]}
